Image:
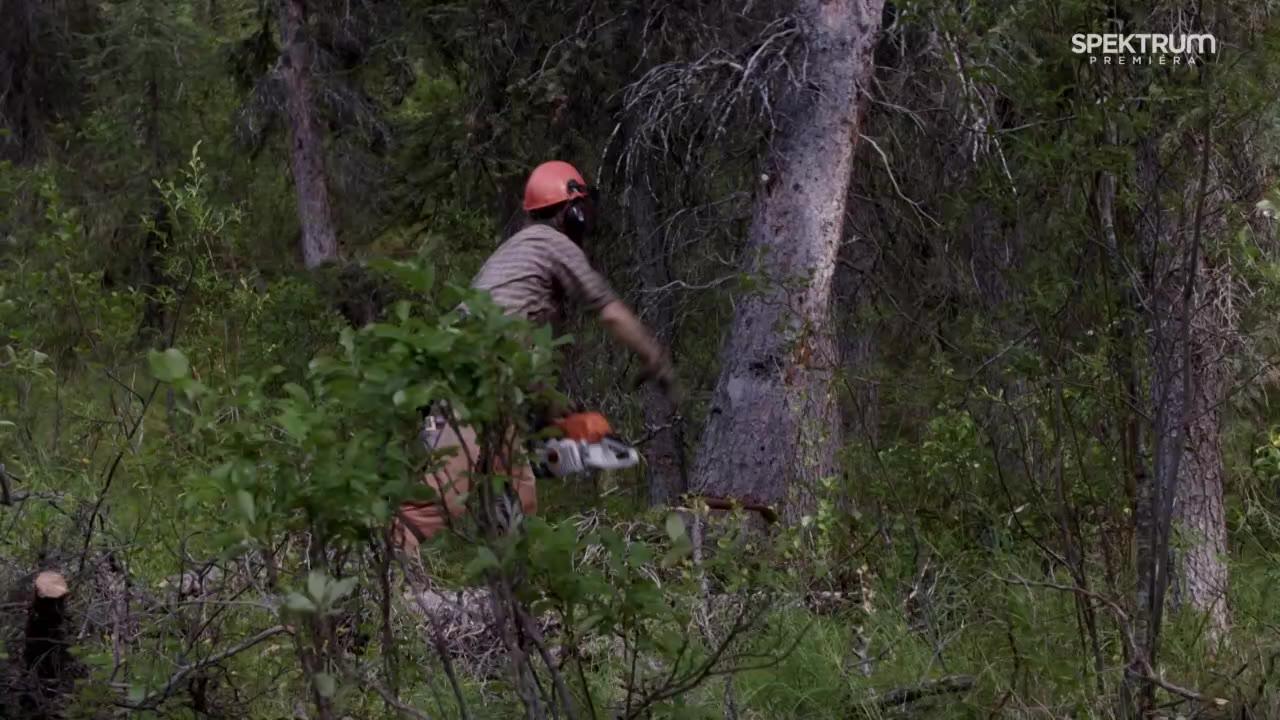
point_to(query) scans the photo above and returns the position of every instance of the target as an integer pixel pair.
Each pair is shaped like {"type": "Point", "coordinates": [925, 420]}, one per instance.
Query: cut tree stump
{"type": "Point", "coordinates": [44, 650]}
{"type": "Point", "coordinates": [50, 585]}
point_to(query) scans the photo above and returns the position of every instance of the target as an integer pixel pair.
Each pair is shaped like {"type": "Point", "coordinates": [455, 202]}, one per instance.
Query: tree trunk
{"type": "Point", "coordinates": [19, 102]}
{"type": "Point", "coordinates": [1199, 518]}
{"type": "Point", "coordinates": [858, 339]}
{"type": "Point", "coordinates": [774, 427]}
{"type": "Point", "coordinates": [306, 144]}
{"type": "Point", "coordinates": [1188, 332]}
{"type": "Point", "coordinates": [665, 472]}
{"type": "Point", "coordinates": [41, 691]}
{"type": "Point", "coordinates": [1166, 279]}
{"type": "Point", "coordinates": [44, 650]}
{"type": "Point", "coordinates": [158, 237]}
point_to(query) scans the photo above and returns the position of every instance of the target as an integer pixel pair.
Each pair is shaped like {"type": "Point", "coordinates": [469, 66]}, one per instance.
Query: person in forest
{"type": "Point", "coordinates": [537, 273]}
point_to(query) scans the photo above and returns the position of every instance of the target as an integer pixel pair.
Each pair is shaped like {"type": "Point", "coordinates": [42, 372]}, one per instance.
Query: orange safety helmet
{"type": "Point", "coordinates": [552, 183]}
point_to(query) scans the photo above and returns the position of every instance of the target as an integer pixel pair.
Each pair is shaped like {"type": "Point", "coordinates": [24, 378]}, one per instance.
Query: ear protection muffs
{"type": "Point", "coordinates": [575, 220]}
{"type": "Point", "coordinates": [578, 216]}
{"type": "Point", "coordinates": [578, 219]}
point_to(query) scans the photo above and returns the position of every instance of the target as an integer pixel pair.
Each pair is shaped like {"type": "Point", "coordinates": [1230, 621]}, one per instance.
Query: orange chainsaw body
{"type": "Point", "coordinates": [591, 427]}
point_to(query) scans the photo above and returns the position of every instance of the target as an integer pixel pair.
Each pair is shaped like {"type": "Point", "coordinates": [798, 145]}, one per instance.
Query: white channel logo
{"type": "Point", "coordinates": [1144, 48]}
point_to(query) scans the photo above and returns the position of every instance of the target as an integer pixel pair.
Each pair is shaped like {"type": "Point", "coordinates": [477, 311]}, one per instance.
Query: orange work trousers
{"type": "Point", "coordinates": [452, 483]}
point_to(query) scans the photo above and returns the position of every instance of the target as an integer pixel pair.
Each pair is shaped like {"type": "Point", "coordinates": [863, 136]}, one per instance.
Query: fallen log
{"type": "Point", "coordinates": [942, 686]}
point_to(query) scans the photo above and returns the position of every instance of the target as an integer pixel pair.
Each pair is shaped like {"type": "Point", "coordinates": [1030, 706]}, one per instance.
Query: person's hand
{"type": "Point", "coordinates": [627, 328]}
{"type": "Point", "coordinates": [661, 373]}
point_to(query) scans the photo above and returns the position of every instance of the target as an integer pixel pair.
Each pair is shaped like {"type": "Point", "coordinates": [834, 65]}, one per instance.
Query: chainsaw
{"type": "Point", "coordinates": [587, 443]}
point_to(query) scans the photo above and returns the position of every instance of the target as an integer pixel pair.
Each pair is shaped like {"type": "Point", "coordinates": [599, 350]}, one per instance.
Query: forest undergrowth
{"type": "Point", "coordinates": [218, 510]}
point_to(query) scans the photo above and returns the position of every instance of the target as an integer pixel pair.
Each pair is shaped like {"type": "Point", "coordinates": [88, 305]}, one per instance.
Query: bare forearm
{"type": "Point", "coordinates": [628, 329]}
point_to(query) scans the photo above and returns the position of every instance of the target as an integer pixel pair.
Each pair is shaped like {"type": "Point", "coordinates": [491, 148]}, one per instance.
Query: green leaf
{"type": "Point", "coordinates": [193, 388]}
{"type": "Point", "coordinates": [460, 411]}
{"type": "Point", "coordinates": [341, 589]}
{"type": "Point", "coordinates": [169, 365]}
{"type": "Point", "coordinates": [245, 500]}
{"type": "Point", "coordinates": [678, 552]}
{"type": "Point", "coordinates": [293, 424]}
{"type": "Point", "coordinates": [416, 276]}
{"type": "Point", "coordinates": [675, 526]}
{"type": "Point", "coordinates": [316, 584]}
{"type": "Point", "coordinates": [484, 560]}
{"type": "Point", "coordinates": [299, 603]}
{"type": "Point", "coordinates": [326, 686]}
{"type": "Point", "coordinates": [667, 641]}
{"type": "Point", "coordinates": [436, 343]}
{"type": "Point", "coordinates": [590, 622]}
{"type": "Point", "coordinates": [296, 392]}
{"type": "Point", "coordinates": [415, 396]}
{"type": "Point", "coordinates": [321, 364]}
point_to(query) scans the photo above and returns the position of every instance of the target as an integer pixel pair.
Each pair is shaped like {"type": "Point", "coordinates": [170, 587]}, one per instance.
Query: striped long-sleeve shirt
{"type": "Point", "coordinates": [537, 271]}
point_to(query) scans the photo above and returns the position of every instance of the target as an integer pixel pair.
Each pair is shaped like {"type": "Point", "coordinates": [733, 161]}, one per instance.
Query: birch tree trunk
{"type": "Point", "coordinates": [306, 143]}
{"type": "Point", "coordinates": [774, 426]}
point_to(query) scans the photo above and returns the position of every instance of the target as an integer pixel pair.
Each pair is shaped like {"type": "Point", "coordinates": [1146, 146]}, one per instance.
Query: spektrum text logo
{"type": "Point", "coordinates": [1144, 48]}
